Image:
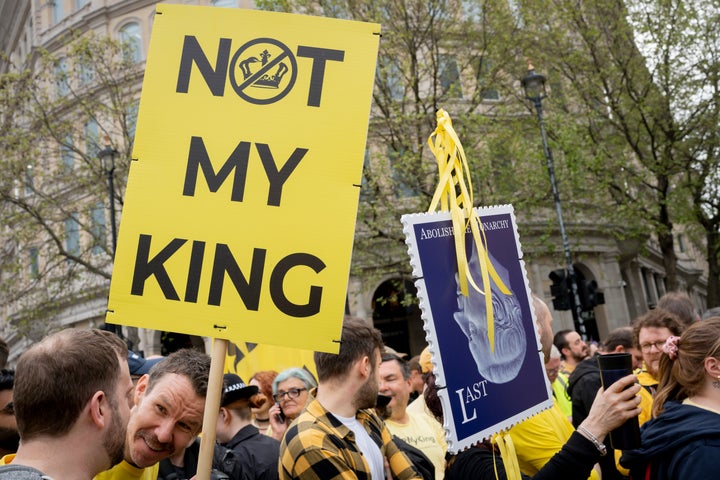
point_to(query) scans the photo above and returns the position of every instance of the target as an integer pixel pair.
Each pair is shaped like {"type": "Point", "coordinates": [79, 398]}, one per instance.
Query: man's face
{"type": "Point", "coordinates": [552, 368]}
{"type": "Point", "coordinates": [416, 381]}
{"type": "Point", "coordinates": [121, 404]}
{"type": "Point", "coordinates": [9, 436]}
{"type": "Point", "coordinates": [164, 420]}
{"type": "Point", "coordinates": [393, 385]}
{"type": "Point", "coordinates": [651, 340]}
{"type": "Point", "coordinates": [577, 349]}
{"type": "Point", "coordinates": [366, 396]}
{"type": "Point", "coordinates": [637, 357]}
{"type": "Point", "coordinates": [543, 320]}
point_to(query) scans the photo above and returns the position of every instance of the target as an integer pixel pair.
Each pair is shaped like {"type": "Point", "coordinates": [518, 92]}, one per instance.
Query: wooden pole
{"type": "Point", "coordinates": [212, 408]}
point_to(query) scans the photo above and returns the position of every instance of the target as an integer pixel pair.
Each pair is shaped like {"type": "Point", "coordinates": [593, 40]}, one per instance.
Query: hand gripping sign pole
{"type": "Point", "coordinates": [454, 194]}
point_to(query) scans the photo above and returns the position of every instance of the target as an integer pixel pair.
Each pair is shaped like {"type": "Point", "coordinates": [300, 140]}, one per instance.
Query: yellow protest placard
{"type": "Point", "coordinates": [246, 359]}
{"type": "Point", "coordinates": [241, 202]}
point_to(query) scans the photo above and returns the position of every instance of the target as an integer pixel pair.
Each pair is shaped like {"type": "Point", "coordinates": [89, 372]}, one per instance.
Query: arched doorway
{"type": "Point", "coordinates": [397, 315]}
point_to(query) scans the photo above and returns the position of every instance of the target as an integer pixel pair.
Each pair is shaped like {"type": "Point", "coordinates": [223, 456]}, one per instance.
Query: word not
{"type": "Point", "coordinates": [248, 287]}
{"type": "Point", "coordinates": [215, 78]}
{"type": "Point", "coordinates": [470, 394]}
{"type": "Point", "coordinates": [238, 162]}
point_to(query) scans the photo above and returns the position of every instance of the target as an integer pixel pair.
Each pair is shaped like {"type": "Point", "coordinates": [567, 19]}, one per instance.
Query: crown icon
{"type": "Point", "coordinates": [267, 80]}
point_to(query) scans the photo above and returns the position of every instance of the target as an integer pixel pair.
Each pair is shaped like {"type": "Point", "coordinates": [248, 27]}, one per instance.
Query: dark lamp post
{"type": "Point", "coordinates": [534, 85]}
{"type": "Point", "coordinates": [107, 157]}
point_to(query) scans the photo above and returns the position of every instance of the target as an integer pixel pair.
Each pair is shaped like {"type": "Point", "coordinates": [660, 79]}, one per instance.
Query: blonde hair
{"type": "Point", "coordinates": [685, 376]}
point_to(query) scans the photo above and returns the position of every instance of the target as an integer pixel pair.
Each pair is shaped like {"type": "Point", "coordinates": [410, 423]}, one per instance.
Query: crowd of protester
{"type": "Point", "coordinates": [80, 405]}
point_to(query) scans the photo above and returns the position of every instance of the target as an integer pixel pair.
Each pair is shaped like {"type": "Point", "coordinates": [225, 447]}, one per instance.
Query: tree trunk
{"type": "Point", "coordinates": [667, 246]}
{"type": "Point", "coordinates": [713, 259]}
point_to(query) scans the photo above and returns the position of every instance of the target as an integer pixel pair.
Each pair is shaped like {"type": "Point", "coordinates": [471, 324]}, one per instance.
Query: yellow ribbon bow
{"type": "Point", "coordinates": [454, 193]}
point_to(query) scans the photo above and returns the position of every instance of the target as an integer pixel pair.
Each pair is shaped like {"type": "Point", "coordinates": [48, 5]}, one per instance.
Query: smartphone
{"type": "Point", "coordinates": [281, 415]}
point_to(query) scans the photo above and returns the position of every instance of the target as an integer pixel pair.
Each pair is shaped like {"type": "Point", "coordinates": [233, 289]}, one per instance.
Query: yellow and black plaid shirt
{"type": "Point", "coordinates": [318, 446]}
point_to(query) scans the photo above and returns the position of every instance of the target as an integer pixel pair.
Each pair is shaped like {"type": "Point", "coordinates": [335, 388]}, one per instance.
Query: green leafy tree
{"type": "Point", "coordinates": [461, 56]}
{"type": "Point", "coordinates": [57, 112]}
{"type": "Point", "coordinates": [643, 80]}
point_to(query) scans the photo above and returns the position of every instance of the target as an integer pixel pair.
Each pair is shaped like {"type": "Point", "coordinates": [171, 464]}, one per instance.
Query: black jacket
{"type": "Point", "coordinates": [257, 454]}
{"type": "Point", "coordinates": [224, 464]}
{"type": "Point", "coordinates": [583, 385]}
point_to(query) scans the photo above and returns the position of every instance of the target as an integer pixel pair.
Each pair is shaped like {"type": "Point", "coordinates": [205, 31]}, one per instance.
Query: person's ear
{"type": "Point", "coordinates": [141, 388]}
{"type": "Point", "coordinates": [225, 415]}
{"type": "Point", "coordinates": [364, 367]}
{"type": "Point", "coordinates": [712, 367]}
{"type": "Point", "coordinates": [99, 409]}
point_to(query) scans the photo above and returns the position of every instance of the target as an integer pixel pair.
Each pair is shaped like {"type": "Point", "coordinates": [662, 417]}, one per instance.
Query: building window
{"type": "Point", "coordinates": [225, 3]}
{"type": "Point", "coordinates": [98, 228]}
{"type": "Point", "coordinates": [29, 179]}
{"type": "Point", "coordinates": [365, 193]}
{"type": "Point", "coordinates": [482, 70]}
{"type": "Point", "coordinates": [67, 156]}
{"type": "Point", "coordinates": [403, 187]}
{"type": "Point", "coordinates": [72, 235]}
{"type": "Point", "coordinates": [472, 10]}
{"type": "Point", "coordinates": [61, 77]}
{"type": "Point", "coordinates": [92, 140]}
{"type": "Point", "coordinates": [57, 10]}
{"type": "Point", "coordinates": [450, 76]}
{"type": "Point", "coordinates": [132, 42]}
{"type": "Point", "coordinates": [87, 73]}
{"type": "Point", "coordinates": [681, 243]}
{"type": "Point", "coordinates": [33, 262]}
{"type": "Point", "coordinates": [392, 79]}
{"type": "Point", "coordinates": [131, 115]}
{"type": "Point", "coordinates": [517, 15]}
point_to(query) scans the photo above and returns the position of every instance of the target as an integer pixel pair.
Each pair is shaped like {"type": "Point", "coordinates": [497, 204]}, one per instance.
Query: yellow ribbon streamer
{"type": "Point", "coordinates": [508, 455]}
{"type": "Point", "coordinates": [454, 194]}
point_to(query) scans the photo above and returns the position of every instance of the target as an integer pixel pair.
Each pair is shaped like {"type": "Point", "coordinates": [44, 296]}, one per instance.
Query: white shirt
{"type": "Point", "coordinates": [369, 449]}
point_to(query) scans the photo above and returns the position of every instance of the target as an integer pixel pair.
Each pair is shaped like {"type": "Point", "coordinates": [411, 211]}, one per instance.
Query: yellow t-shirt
{"type": "Point", "coordinates": [125, 471]}
{"type": "Point", "coordinates": [425, 434]}
{"type": "Point", "coordinates": [7, 459]}
{"type": "Point", "coordinates": [540, 437]}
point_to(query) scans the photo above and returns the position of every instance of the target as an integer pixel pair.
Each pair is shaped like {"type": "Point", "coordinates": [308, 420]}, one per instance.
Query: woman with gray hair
{"type": "Point", "coordinates": [291, 392]}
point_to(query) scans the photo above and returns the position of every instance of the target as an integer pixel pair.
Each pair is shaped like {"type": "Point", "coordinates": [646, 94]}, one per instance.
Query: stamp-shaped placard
{"type": "Point", "coordinates": [485, 390]}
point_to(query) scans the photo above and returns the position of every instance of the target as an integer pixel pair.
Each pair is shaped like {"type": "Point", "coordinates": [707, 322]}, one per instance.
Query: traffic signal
{"type": "Point", "coordinates": [560, 290]}
{"type": "Point", "coordinates": [589, 296]}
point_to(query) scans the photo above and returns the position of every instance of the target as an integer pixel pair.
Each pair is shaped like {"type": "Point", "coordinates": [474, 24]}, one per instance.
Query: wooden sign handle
{"type": "Point", "coordinates": [212, 409]}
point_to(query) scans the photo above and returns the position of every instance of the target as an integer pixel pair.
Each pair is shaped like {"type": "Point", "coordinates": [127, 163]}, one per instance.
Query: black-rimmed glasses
{"type": "Point", "coordinates": [291, 393]}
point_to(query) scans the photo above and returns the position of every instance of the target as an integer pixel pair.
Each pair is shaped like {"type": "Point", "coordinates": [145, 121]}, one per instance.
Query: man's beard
{"type": "Point", "coordinates": [114, 440]}
{"type": "Point", "coordinates": [9, 440]}
{"type": "Point", "coordinates": [366, 396]}
{"type": "Point", "coordinates": [579, 357]}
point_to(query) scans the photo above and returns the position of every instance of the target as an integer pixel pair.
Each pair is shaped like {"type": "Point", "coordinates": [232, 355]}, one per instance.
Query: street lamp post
{"type": "Point", "coordinates": [107, 156]}
{"type": "Point", "coordinates": [534, 85]}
